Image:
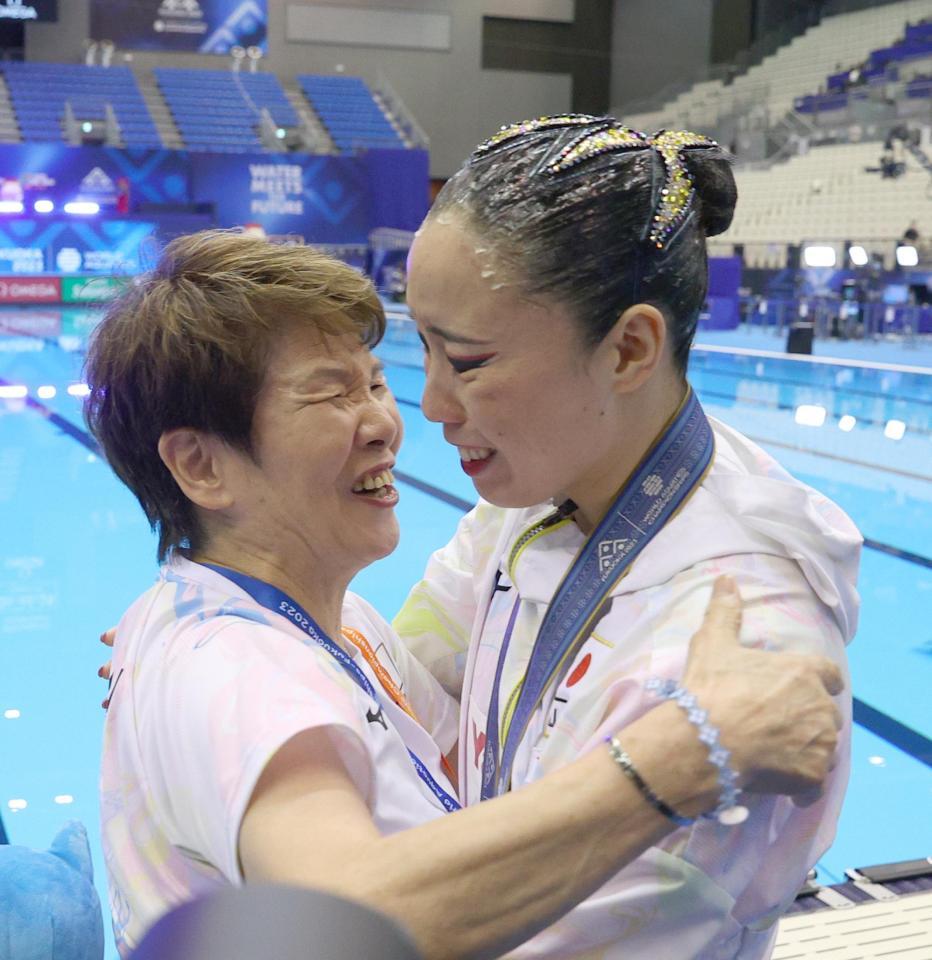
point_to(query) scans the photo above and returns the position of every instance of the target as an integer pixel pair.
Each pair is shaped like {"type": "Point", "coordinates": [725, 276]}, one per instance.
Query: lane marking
{"type": "Point", "coordinates": [835, 456]}
{"type": "Point", "coordinates": [904, 738]}
{"type": "Point", "coordinates": [706, 366]}
{"type": "Point", "coordinates": [808, 358]}
{"type": "Point", "coordinates": [892, 731]}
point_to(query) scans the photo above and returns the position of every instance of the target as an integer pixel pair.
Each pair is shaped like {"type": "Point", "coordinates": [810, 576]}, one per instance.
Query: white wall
{"type": "Point", "coordinates": [657, 43]}
{"type": "Point", "coordinates": [453, 98]}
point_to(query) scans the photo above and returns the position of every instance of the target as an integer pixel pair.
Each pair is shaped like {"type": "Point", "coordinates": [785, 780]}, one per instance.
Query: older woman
{"type": "Point", "coordinates": [557, 284]}
{"type": "Point", "coordinates": [264, 724]}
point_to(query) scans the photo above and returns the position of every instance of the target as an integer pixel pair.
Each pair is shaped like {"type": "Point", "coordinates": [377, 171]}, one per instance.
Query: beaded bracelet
{"type": "Point", "coordinates": [630, 771]}
{"type": "Point", "coordinates": [728, 811]}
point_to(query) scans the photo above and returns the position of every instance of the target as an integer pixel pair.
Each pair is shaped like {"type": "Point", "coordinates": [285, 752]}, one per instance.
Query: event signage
{"type": "Point", "coordinates": [202, 26]}
{"type": "Point", "coordinates": [30, 290]}
{"type": "Point", "coordinates": [20, 259]}
{"type": "Point", "coordinates": [60, 173]}
{"type": "Point", "coordinates": [324, 199]}
{"type": "Point", "coordinates": [318, 199]}
{"type": "Point", "coordinates": [89, 289]}
{"type": "Point", "coordinates": [28, 10]}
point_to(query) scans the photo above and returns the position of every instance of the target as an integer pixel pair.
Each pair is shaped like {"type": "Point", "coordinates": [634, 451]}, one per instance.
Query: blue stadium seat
{"type": "Point", "coordinates": [222, 108]}
{"type": "Point", "coordinates": [349, 112]}
{"type": "Point", "coordinates": [39, 92]}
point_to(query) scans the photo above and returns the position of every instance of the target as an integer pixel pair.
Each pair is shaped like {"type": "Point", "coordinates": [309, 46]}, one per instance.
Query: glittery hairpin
{"type": "Point", "coordinates": [530, 126]}
{"type": "Point", "coordinates": [607, 136]}
{"type": "Point", "coordinates": [594, 143]}
{"type": "Point", "coordinates": [677, 190]}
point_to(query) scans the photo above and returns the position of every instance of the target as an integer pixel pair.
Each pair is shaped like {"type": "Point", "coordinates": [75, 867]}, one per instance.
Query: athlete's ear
{"type": "Point", "coordinates": [198, 463]}
{"type": "Point", "coordinates": [636, 345]}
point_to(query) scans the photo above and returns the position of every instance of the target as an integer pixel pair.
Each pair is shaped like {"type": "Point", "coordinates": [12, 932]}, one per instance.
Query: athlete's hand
{"type": "Point", "coordinates": [106, 638]}
{"type": "Point", "coordinates": [774, 711]}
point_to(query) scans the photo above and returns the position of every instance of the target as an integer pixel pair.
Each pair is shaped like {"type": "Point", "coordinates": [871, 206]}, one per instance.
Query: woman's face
{"type": "Point", "coordinates": [325, 429]}
{"type": "Point", "coordinates": [519, 393]}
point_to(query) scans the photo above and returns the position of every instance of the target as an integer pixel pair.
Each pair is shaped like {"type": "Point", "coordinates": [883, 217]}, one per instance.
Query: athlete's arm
{"type": "Point", "coordinates": [435, 621]}
{"type": "Point", "coordinates": [478, 882]}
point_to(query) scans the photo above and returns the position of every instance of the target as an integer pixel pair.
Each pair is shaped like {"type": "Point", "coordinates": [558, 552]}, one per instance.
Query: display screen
{"type": "Point", "coordinates": [896, 293]}
{"type": "Point", "coordinates": [204, 26]}
{"type": "Point", "coordinates": [27, 11]}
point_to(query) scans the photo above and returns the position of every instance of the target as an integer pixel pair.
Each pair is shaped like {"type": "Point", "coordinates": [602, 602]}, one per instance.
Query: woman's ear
{"type": "Point", "coordinates": [197, 462]}
{"type": "Point", "coordinates": [637, 345]}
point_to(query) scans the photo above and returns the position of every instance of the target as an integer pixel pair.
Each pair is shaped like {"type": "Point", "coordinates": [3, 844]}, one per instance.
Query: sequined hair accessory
{"type": "Point", "coordinates": [514, 130]}
{"type": "Point", "coordinates": [606, 135]}
{"type": "Point", "coordinates": [677, 191]}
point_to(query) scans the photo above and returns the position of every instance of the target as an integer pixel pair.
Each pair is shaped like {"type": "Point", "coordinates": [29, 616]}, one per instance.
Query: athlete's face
{"type": "Point", "coordinates": [325, 428]}
{"type": "Point", "coordinates": [517, 389]}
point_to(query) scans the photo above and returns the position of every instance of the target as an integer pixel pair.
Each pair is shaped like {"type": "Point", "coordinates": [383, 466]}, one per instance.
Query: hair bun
{"type": "Point", "coordinates": [716, 192]}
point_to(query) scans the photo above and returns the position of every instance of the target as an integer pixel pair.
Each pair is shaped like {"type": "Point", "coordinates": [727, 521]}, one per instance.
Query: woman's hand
{"type": "Point", "coordinates": [106, 638]}
{"type": "Point", "coordinates": [774, 711]}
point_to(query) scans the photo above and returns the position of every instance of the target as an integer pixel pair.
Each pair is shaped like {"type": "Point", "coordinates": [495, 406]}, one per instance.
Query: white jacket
{"type": "Point", "coordinates": [706, 892]}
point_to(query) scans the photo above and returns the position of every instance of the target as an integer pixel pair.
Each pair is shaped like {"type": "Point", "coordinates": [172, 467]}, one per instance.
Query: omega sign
{"type": "Point", "coordinates": [30, 290]}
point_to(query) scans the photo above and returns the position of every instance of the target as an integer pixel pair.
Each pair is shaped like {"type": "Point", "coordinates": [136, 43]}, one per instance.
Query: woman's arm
{"type": "Point", "coordinates": [478, 882]}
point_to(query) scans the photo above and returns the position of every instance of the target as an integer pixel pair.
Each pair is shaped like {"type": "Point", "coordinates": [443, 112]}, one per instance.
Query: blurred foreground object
{"type": "Point", "coordinates": [288, 923]}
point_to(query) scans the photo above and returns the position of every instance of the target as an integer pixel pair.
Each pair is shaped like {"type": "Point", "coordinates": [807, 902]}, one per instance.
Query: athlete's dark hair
{"type": "Point", "coordinates": [598, 217]}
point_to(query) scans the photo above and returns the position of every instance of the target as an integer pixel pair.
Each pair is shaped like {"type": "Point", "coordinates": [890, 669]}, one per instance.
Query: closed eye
{"type": "Point", "coordinates": [465, 364]}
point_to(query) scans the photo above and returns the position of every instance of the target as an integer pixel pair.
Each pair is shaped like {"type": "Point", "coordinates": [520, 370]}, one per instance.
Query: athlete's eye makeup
{"type": "Point", "coordinates": [464, 364]}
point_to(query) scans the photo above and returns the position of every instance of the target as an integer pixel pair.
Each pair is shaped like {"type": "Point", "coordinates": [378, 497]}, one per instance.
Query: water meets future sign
{"type": "Point", "coordinates": [323, 199]}
{"type": "Point", "coordinates": [202, 26]}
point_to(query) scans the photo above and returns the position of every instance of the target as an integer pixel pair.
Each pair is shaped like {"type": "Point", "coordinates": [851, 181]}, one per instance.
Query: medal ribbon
{"type": "Point", "coordinates": [274, 599]}
{"type": "Point", "coordinates": [666, 477]}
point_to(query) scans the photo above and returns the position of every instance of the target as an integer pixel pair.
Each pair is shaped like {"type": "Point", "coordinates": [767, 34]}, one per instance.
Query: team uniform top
{"type": "Point", "coordinates": [207, 686]}
{"type": "Point", "coordinates": [707, 891]}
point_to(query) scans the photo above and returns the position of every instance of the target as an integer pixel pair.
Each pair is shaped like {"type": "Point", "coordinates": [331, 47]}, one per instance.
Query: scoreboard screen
{"type": "Point", "coordinates": [26, 11]}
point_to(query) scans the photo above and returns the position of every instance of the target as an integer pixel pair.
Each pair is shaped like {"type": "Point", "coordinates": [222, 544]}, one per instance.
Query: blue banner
{"type": "Point", "coordinates": [204, 26]}
{"type": "Point", "coordinates": [105, 247]}
{"type": "Point", "coordinates": [321, 198]}
{"type": "Point", "coordinates": [721, 307]}
{"type": "Point", "coordinates": [56, 172]}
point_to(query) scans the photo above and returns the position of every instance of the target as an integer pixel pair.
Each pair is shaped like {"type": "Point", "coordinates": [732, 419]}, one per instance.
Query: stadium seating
{"type": "Point", "coordinates": [212, 110]}
{"type": "Point", "coordinates": [39, 92]}
{"type": "Point", "coordinates": [825, 194]}
{"type": "Point", "coordinates": [794, 71]}
{"type": "Point", "coordinates": [219, 110]}
{"type": "Point", "coordinates": [910, 54]}
{"type": "Point", "coordinates": [350, 114]}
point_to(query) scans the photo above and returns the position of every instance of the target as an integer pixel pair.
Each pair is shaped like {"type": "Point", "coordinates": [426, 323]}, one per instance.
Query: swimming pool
{"type": "Point", "coordinates": [75, 550]}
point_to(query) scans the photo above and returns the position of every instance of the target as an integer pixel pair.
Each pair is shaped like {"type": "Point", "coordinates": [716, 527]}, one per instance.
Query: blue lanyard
{"type": "Point", "coordinates": [274, 599]}
{"type": "Point", "coordinates": [672, 469]}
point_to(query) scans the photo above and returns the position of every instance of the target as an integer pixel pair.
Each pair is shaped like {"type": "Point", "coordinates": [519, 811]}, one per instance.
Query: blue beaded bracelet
{"type": "Point", "coordinates": [728, 811]}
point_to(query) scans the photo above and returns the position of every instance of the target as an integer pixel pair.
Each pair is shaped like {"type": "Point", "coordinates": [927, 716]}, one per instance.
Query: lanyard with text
{"type": "Point", "coordinates": [388, 684]}
{"type": "Point", "coordinates": [668, 474]}
{"type": "Point", "coordinates": [274, 599]}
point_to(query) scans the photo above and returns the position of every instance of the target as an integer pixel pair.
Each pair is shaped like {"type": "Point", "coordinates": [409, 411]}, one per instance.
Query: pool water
{"type": "Point", "coordinates": [75, 550]}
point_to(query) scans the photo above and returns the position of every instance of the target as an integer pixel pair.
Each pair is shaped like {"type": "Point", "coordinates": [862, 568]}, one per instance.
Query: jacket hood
{"type": "Point", "coordinates": [747, 503]}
